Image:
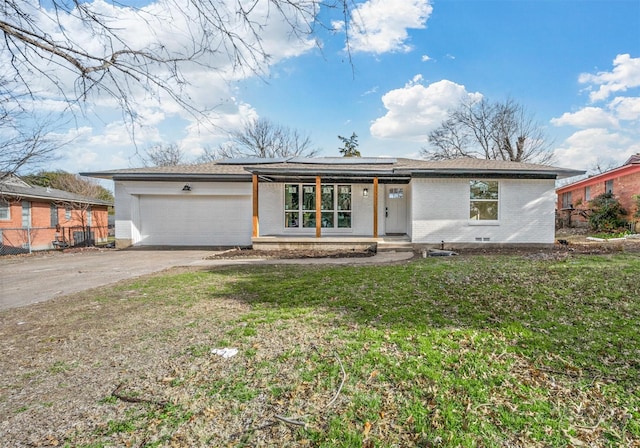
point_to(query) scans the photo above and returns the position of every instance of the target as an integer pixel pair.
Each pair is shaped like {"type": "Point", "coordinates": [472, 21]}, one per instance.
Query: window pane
{"type": "Point", "coordinates": [26, 214]}
{"type": "Point", "coordinates": [309, 219]}
{"type": "Point", "coordinates": [4, 210]}
{"type": "Point", "coordinates": [54, 215]}
{"type": "Point", "coordinates": [291, 219]}
{"type": "Point", "coordinates": [327, 197]}
{"type": "Point", "coordinates": [587, 193]}
{"type": "Point", "coordinates": [309, 197]}
{"type": "Point", "coordinates": [484, 189]}
{"type": "Point", "coordinates": [344, 220]}
{"type": "Point", "coordinates": [291, 197]}
{"type": "Point", "coordinates": [344, 197]}
{"type": "Point", "coordinates": [327, 219]}
{"type": "Point", "coordinates": [484, 210]}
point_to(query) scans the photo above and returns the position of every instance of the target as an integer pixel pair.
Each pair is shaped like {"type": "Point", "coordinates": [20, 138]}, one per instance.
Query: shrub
{"type": "Point", "coordinates": [607, 215]}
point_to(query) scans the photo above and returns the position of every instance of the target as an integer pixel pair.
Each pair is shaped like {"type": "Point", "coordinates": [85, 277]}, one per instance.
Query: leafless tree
{"type": "Point", "coordinates": [263, 138]}
{"type": "Point", "coordinates": [23, 141]}
{"type": "Point", "coordinates": [49, 39]}
{"type": "Point", "coordinates": [480, 129]}
{"type": "Point", "coordinates": [163, 155]}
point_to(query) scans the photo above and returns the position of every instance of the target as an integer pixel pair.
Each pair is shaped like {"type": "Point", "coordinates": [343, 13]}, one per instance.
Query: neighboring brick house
{"type": "Point", "coordinates": [623, 182]}
{"type": "Point", "coordinates": [39, 218]}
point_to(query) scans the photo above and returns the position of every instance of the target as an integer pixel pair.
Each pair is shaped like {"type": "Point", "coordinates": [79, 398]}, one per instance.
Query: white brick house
{"type": "Point", "coordinates": [461, 202]}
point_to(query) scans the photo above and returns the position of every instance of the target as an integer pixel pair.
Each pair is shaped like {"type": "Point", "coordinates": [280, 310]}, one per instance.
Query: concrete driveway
{"type": "Point", "coordinates": [32, 279]}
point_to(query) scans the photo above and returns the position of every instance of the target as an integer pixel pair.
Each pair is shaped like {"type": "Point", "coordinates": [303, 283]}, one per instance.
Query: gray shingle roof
{"type": "Point", "coordinates": [15, 188]}
{"type": "Point", "coordinates": [353, 167]}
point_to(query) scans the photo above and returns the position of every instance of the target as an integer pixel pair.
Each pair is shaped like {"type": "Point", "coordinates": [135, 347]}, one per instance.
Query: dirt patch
{"type": "Point", "coordinates": [291, 254]}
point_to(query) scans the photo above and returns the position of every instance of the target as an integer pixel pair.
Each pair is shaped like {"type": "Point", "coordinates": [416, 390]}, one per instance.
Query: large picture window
{"type": "Point", "coordinates": [483, 204]}
{"type": "Point", "coordinates": [300, 206]}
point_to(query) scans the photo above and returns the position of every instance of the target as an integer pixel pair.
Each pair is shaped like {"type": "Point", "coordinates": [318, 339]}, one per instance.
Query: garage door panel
{"type": "Point", "coordinates": [195, 220]}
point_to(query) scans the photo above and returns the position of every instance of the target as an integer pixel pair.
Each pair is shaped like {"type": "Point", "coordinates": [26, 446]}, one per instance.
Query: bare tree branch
{"type": "Point", "coordinates": [263, 138]}
{"type": "Point", "coordinates": [502, 131]}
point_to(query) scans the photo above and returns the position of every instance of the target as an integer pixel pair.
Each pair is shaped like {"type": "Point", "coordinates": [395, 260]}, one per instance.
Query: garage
{"type": "Point", "coordinates": [206, 220]}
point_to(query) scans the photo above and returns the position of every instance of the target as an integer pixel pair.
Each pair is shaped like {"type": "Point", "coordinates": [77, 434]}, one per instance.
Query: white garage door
{"type": "Point", "coordinates": [195, 220]}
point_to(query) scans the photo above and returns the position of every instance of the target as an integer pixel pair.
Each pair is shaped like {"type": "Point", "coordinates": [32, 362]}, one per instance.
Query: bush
{"type": "Point", "coordinates": [607, 215]}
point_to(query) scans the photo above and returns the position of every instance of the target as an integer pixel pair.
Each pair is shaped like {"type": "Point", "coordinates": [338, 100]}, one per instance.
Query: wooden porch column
{"type": "Point", "coordinates": [318, 208]}
{"type": "Point", "coordinates": [256, 220]}
{"type": "Point", "coordinates": [375, 207]}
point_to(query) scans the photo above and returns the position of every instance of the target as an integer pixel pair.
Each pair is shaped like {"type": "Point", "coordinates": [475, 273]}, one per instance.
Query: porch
{"type": "Point", "coordinates": [397, 243]}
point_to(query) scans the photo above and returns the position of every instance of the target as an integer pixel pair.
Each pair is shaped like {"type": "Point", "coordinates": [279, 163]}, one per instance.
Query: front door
{"type": "Point", "coordinates": [396, 209]}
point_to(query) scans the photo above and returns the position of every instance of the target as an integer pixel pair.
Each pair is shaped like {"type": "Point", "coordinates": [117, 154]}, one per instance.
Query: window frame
{"type": "Point", "coordinates": [299, 206]}
{"type": "Point", "coordinates": [587, 193]}
{"type": "Point", "coordinates": [5, 206]}
{"type": "Point", "coordinates": [565, 198]}
{"type": "Point", "coordinates": [608, 186]}
{"type": "Point", "coordinates": [26, 214]}
{"type": "Point", "coordinates": [479, 220]}
{"type": "Point", "coordinates": [54, 219]}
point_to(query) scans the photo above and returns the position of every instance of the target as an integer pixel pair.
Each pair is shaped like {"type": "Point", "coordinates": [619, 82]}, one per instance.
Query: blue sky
{"type": "Point", "coordinates": [574, 65]}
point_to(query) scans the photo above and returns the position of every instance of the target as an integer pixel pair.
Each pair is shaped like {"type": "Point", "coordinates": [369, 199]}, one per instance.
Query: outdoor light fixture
{"type": "Point", "coordinates": [365, 192]}
{"type": "Point", "coordinates": [187, 187]}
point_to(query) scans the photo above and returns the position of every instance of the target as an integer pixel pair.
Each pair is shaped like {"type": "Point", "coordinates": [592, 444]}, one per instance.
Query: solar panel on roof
{"type": "Point", "coordinates": [344, 160]}
{"type": "Point", "coordinates": [252, 161]}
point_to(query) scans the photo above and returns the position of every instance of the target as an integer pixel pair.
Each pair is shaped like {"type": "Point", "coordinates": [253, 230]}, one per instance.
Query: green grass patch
{"type": "Point", "coordinates": [468, 351]}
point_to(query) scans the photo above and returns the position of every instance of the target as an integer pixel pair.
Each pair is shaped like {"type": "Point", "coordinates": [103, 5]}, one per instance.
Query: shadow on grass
{"type": "Point", "coordinates": [578, 313]}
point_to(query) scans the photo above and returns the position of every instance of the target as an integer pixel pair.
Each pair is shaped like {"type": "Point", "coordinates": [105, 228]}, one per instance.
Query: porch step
{"type": "Point", "coordinates": [395, 246]}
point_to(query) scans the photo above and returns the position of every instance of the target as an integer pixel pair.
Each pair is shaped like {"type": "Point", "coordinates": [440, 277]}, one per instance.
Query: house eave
{"type": "Point", "coordinates": [171, 177]}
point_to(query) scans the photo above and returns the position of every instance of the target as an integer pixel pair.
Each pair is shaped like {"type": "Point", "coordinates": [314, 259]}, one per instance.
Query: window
{"type": "Point", "coordinates": [396, 193]}
{"type": "Point", "coordinates": [5, 210]}
{"type": "Point", "coordinates": [54, 215]}
{"type": "Point", "coordinates": [26, 214]}
{"type": "Point", "coordinates": [89, 218]}
{"type": "Point", "coordinates": [300, 209]}
{"type": "Point", "coordinates": [608, 186]}
{"type": "Point", "coordinates": [587, 193]}
{"type": "Point", "coordinates": [483, 200]}
{"type": "Point", "coordinates": [566, 200]}
{"type": "Point", "coordinates": [67, 213]}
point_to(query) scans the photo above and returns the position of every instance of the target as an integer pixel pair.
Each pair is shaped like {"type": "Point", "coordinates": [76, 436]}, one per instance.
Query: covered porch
{"type": "Point", "coordinates": [326, 208]}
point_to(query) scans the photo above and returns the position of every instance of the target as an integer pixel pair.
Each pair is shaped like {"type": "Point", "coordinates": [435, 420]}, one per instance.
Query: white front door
{"type": "Point", "coordinates": [396, 209]}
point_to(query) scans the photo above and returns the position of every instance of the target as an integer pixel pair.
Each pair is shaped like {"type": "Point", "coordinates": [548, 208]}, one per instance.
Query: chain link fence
{"type": "Point", "coordinates": [26, 240]}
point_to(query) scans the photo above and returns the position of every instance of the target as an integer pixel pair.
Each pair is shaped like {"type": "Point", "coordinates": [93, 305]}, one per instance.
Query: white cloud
{"type": "Point", "coordinates": [586, 118]}
{"type": "Point", "coordinates": [585, 148]}
{"type": "Point", "coordinates": [380, 26]}
{"type": "Point", "coordinates": [626, 108]}
{"type": "Point", "coordinates": [414, 110]}
{"type": "Point", "coordinates": [625, 75]}
{"type": "Point", "coordinates": [425, 58]}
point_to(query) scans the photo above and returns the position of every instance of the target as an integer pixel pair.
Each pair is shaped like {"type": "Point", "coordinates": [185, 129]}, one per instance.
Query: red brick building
{"type": "Point", "coordinates": [39, 218]}
{"type": "Point", "coordinates": [623, 182]}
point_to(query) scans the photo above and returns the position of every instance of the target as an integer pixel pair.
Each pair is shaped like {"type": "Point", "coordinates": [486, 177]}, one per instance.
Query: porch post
{"type": "Point", "coordinates": [318, 207]}
{"type": "Point", "coordinates": [256, 221]}
{"type": "Point", "coordinates": [375, 207]}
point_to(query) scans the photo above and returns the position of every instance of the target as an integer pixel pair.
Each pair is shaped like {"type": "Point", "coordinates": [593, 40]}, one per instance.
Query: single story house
{"type": "Point", "coordinates": [39, 218]}
{"type": "Point", "coordinates": [254, 202]}
{"type": "Point", "coordinates": [623, 182]}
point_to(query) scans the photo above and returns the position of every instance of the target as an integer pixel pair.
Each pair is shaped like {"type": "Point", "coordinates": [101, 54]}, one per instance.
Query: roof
{"type": "Point", "coordinates": [16, 187]}
{"type": "Point", "coordinates": [353, 168]}
{"type": "Point", "coordinates": [632, 165]}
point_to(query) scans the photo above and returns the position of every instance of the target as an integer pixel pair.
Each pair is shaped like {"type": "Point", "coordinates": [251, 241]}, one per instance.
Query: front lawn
{"type": "Point", "coordinates": [460, 351]}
